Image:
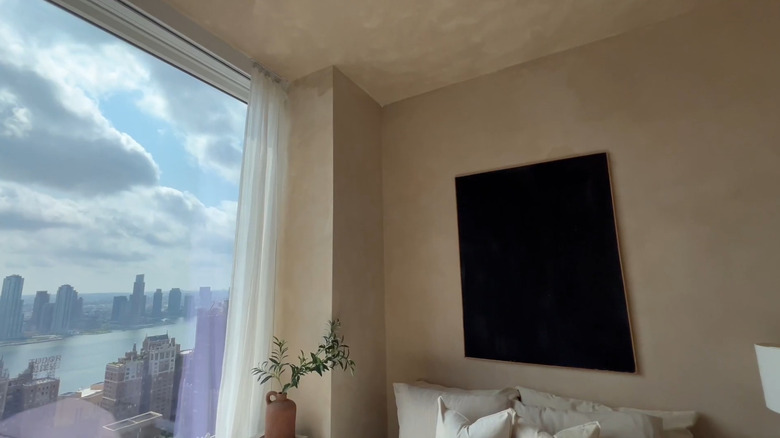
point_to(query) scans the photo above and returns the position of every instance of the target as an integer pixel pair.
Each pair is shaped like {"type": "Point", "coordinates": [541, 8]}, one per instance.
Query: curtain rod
{"type": "Point", "coordinates": [271, 74]}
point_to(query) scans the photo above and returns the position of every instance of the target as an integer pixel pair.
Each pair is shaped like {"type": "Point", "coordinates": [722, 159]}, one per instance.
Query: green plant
{"type": "Point", "coordinates": [331, 354]}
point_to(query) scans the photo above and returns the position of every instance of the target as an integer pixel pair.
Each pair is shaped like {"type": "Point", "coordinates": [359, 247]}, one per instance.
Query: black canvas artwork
{"type": "Point", "coordinates": [540, 266]}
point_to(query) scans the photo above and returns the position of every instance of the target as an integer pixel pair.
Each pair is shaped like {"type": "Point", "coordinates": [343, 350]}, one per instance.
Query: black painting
{"type": "Point", "coordinates": [540, 266]}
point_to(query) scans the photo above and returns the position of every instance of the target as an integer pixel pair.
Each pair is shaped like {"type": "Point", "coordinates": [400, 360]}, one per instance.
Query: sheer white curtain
{"type": "Point", "coordinates": [241, 409]}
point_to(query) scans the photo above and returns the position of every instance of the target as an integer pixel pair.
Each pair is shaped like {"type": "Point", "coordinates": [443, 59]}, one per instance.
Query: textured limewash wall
{"type": "Point", "coordinates": [689, 111]}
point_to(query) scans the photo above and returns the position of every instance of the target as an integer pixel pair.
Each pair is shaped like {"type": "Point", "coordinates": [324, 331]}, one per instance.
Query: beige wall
{"type": "Point", "coordinates": [331, 254]}
{"type": "Point", "coordinates": [689, 111]}
{"type": "Point", "coordinates": [304, 298]}
{"type": "Point", "coordinates": [359, 401]}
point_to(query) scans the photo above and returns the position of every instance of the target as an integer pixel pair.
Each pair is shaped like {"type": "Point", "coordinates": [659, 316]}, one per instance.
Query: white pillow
{"type": "Point", "coordinates": [673, 420]}
{"type": "Point", "coordinates": [453, 424]}
{"type": "Point", "coordinates": [417, 407]}
{"type": "Point", "coordinates": [675, 423]}
{"type": "Point", "coordinates": [523, 429]}
{"type": "Point", "coordinates": [510, 393]}
{"type": "Point", "coordinates": [613, 424]}
{"type": "Point", "coordinates": [587, 430]}
{"type": "Point", "coordinates": [532, 397]}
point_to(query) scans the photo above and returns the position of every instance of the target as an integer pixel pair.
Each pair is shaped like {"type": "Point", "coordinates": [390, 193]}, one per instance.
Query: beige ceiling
{"type": "Point", "coordinates": [395, 49]}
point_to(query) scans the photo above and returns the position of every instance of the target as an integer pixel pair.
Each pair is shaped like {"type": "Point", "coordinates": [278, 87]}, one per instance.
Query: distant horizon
{"type": "Point", "coordinates": [184, 291]}
{"type": "Point", "coordinates": [130, 291]}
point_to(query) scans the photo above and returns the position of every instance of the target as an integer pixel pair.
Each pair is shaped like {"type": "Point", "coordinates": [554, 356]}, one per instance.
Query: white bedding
{"type": "Point", "coordinates": [416, 404]}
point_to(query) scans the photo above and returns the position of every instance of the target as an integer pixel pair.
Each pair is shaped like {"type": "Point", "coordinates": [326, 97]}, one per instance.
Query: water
{"type": "Point", "coordinates": [84, 357]}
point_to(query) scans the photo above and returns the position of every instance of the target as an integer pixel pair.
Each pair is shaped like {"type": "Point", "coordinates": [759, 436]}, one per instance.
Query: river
{"type": "Point", "coordinates": [84, 357]}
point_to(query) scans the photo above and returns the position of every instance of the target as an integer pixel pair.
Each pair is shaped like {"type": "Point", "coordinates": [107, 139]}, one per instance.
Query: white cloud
{"type": "Point", "coordinates": [51, 127]}
{"type": "Point", "coordinates": [97, 71]}
{"type": "Point", "coordinates": [80, 200]}
{"type": "Point", "coordinates": [143, 220]}
{"type": "Point", "coordinates": [208, 123]}
{"type": "Point", "coordinates": [156, 229]}
{"type": "Point", "coordinates": [21, 208]}
{"type": "Point", "coordinates": [55, 136]}
{"type": "Point", "coordinates": [14, 118]}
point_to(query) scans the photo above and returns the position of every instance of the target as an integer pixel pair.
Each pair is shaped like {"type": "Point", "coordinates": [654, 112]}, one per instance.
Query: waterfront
{"type": "Point", "coordinates": [84, 357]}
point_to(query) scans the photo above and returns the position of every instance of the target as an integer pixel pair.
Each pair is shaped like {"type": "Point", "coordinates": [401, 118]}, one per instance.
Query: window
{"type": "Point", "coordinates": [118, 194]}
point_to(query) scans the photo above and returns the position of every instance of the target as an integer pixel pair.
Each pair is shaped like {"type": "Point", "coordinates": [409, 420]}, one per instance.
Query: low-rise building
{"type": "Point", "coordinates": [26, 391]}
{"type": "Point", "coordinates": [123, 386]}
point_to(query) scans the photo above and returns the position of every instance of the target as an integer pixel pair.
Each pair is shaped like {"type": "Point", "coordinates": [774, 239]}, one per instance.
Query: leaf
{"type": "Point", "coordinates": [331, 353]}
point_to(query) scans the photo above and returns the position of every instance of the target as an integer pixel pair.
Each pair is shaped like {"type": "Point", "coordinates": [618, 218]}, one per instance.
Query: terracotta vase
{"type": "Point", "coordinates": [279, 415]}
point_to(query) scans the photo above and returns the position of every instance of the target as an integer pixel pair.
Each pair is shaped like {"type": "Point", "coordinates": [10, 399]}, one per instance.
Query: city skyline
{"type": "Point", "coordinates": [63, 313]}
{"type": "Point", "coordinates": [28, 292]}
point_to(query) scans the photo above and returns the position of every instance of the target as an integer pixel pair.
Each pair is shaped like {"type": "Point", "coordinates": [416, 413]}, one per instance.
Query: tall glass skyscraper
{"type": "Point", "coordinates": [39, 305]}
{"type": "Point", "coordinates": [65, 307]}
{"type": "Point", "coordinates": [174, 302]}
{"type": "Point", "coordinates": [11, 307]}
{"type": "Point", "coordinates": [138, 299]}
{"type": "Point", "coordinates": [157, 303]}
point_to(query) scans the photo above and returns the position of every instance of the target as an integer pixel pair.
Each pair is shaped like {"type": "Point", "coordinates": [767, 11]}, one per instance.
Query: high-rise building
{"type": "Point", "coordinates": [123, 385]}
{"type": "Point", "coordinates": [65, 309]}
{"type": "Point", "coordinates": [138, 299]}
{"type": "Point", "coordinates": [157, 303]}
{"type": "Point", "coordinates": [46, 318]}
{"type": "Point", "coordinates": [174, 302]}
{"type": "Point", "coordinates": [3, 386]}
{"type": "Point", "coordinates": [120, 310]}
{"type": "Point", "coordinates": [27, 391]}
{"type": "Point", "coordinates": [11, 316]}
{"type": "Point", "coordinates": [201, 373]}
{"type": "Point", "coordinates": [188, 308]}
{"type": "Point", "coordinates": [42, 298]}
{"type": "Point", "coordinates": [182, 359]}
{"type": "Point", "coordinates": [204, 297]}
{"type": "Point", "coordinates": [142, 382]}
{"type": "Point", "coordinates": [78, 313]}
{"type": "Point", "coordinates": [159, 354]}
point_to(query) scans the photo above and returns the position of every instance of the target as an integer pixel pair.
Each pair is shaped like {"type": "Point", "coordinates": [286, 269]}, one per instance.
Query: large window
{"type": "Point", "coordinates": [118, 188]}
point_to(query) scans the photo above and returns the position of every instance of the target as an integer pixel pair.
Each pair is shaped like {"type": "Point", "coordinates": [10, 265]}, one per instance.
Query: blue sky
{"type": "Point", "coordinates": [177, 169]}
{"type": "Point", "coordinates": [112, 162]}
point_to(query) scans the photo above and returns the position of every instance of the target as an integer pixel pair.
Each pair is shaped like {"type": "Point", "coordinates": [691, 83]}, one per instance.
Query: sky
{"type": "Point", "coordinates": [112, 162]}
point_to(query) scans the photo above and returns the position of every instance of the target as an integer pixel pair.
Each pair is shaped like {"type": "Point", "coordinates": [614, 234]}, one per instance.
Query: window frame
{"type": "Point", "coordinates": [141, 29]}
